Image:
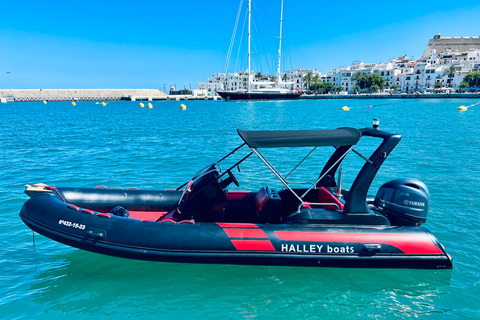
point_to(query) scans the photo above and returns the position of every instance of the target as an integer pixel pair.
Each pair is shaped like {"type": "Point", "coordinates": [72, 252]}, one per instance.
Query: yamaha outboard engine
{"type": "Point", "coordinates": [403, 201]}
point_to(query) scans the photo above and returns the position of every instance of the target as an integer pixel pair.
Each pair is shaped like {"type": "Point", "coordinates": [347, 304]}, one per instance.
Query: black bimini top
{"type": "Point", "coordinates": [300, 138]}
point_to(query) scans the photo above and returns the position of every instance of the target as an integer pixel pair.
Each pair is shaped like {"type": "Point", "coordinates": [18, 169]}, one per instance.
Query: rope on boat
{"type": "Point", "coordinates": [55, 188]}
{"type": "Point", "coordinates": [121, 188]}
{"type": "Point", "coordinates": [231, 152]}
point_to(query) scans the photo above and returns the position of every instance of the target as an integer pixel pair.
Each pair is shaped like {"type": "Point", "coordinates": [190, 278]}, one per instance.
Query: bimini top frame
{"type": "Point", "coordinates": [342, 137]}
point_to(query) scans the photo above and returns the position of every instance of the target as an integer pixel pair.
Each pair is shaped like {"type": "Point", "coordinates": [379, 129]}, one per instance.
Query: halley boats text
{"type": "Point", "coordinates": [315, 248]}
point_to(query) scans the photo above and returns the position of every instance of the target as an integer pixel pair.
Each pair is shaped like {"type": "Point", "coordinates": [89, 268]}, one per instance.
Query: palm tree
{"type": "Point", "coordinates": [285, 77]}
{"type": "Point", "coordinates": [450, 72]}
{"type": "Point", "coordinates": [307, 79]}
{"type": "Point", "coordinates": [321, 88]}
{"type": "Point", "coordinates": [472, 79]}
{"type": "Point", "coordinates": [316, 78]}
{"type": "Point", "coordinates": [259, 75]}
{"type": "Point", "coordinates": [356, 76]}
{"type": "Point", "coordinates": [356, 79]}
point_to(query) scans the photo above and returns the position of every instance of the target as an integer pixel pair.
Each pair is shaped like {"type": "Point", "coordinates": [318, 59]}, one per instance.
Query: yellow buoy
{"type": "Point", "coordinates": [462, 108]}
{"type": "Point", "coordinates": [44, 101]}
{"type": "Point", "coordinates": [345, 108]}
{"type": "Point", "coordinates": [73, 103]}
{"type": "Point", "coordinates": [142, 105]}
{"type": "Point", "coordinates": [183, 107]}
{"type": "Point", "coordinates": [104, 104]}
{"type": "Point", "coordinates": [149, 105]}
{"type": "Point", "coordinates": [97, 102]}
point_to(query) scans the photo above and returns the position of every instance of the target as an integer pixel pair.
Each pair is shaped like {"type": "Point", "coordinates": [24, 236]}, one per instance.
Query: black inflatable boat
{"type": "Point", "coordinates": [321, 224]}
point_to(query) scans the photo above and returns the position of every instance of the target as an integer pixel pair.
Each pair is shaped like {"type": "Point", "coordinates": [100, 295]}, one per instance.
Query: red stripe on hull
{"type": "Point", "coordinates": [253, 245]}
{"type": "Point", "coordinates": [245, 233]}
{"type": "Point", "coordinates": [407, 243]}
{"type": "Point", "coordinates": [236, 225]}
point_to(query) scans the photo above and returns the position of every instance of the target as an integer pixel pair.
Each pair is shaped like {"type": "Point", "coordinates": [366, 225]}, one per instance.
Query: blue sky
{"type": "Point", "coordinates": [149, 44]}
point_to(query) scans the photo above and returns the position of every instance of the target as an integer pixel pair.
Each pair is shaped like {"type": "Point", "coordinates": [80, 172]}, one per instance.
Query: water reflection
{"type": "Point", "coordinates": [107, 284]}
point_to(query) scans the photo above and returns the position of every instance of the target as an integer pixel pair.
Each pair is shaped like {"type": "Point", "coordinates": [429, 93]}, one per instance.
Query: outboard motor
{"type": "Point", "coordinates": [403, 201]}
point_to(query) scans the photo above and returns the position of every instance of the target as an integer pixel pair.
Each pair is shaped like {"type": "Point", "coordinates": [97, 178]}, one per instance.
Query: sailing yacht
{"type": "Point", "coordinates": [273, 93]}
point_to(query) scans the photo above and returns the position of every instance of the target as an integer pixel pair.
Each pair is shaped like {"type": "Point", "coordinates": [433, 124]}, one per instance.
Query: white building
{"type": "Point", "coordinates": [410, 75]}
{"type": "Point", "coordinates": [296, 78]}
{"type": "Point", "coordinates": [239, 81]}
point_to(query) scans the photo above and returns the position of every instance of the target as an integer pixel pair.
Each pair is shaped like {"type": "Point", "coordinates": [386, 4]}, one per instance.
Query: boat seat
{"type": "Point", "coordinates": [269, 205]}
{"type": "Point", "coordinates": [325, 196]}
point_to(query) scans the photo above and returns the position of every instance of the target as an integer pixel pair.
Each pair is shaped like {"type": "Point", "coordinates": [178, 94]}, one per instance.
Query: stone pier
{"type": "Point", "coordinates": [20, 95]}
{"type": "Point", "coordinates": [77, 94]}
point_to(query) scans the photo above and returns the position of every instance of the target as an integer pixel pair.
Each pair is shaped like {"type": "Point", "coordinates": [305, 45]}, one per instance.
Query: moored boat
{"type": "Point", "coordinates": [260, 95]}
{"type": "Point", "coordinates": [264, 91]}
{"type": "Point", "coordinates": [202, 221]}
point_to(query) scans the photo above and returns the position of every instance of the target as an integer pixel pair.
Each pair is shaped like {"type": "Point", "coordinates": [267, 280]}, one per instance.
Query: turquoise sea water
{"type": "Point", "coordinates": [122, 144]}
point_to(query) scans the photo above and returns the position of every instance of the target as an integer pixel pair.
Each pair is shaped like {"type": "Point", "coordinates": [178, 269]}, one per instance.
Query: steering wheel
{"type": "Point", "coordinates": [233, 178]}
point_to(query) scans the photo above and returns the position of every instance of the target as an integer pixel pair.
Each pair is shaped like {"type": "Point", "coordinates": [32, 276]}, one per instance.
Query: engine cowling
{"type": "Point", "coordinates": [404, 201]}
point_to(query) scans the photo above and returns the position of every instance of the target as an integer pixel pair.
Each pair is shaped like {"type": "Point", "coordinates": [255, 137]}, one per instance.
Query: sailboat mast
{"type": "Point", "coordinates": [279, 80]}
{"type": "Point", "coordinates": [249, 38]}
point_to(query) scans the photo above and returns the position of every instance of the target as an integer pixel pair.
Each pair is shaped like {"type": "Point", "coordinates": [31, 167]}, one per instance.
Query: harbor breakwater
{"type": "Point", "coordinates": [25, 95]}
{"type": "Point", "coordinates": [78, 94]}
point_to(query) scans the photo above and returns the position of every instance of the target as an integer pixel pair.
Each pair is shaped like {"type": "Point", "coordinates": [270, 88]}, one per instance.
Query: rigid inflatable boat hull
{"type": "Point", "coordinates": [234, 243]}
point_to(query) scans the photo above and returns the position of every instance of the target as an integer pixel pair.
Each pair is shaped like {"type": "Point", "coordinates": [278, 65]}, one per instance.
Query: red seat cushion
{"type": "Point", "coordinates": [146, 215]}
{"type": "Point", "coordinates": [325, 196]}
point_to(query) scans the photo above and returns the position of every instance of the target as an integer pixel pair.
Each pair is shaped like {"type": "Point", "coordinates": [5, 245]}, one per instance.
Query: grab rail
{"type": "Point", "coordinates": [318, 204]}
